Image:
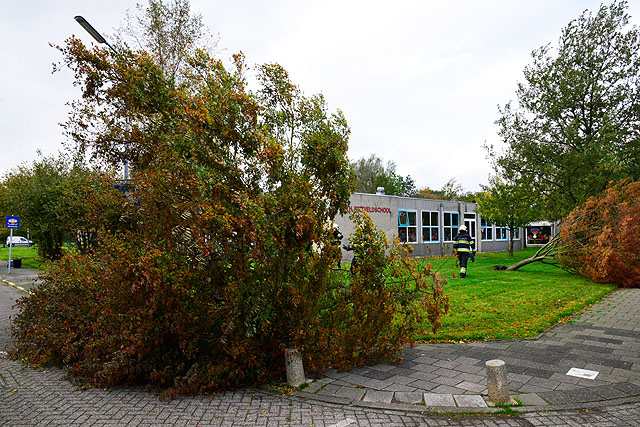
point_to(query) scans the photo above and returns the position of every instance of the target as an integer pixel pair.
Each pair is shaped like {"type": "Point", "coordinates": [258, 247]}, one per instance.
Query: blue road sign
{"type": "Point", "coordinates": [12, 222]}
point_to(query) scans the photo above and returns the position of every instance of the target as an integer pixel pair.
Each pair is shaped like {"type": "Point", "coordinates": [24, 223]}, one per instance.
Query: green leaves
{"type": "Point", "coordinates": [224, 260]}
{"type": "Point", "coordinates": [575, 124]}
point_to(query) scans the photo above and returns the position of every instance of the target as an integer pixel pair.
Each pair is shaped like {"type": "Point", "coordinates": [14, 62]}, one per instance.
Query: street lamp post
{"type": "Point", "coordinates": [94, 33]}
{"type": "Point", "coordinates": [98, 37]}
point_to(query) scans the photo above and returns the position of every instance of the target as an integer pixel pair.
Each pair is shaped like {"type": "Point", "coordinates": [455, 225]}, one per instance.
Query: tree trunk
{"type": "Point", "coordinates": [545, 253]}
{"type": "Point", "coordinates": [511, 229]}
{"type": "Point", "coordinates": [534, 258]}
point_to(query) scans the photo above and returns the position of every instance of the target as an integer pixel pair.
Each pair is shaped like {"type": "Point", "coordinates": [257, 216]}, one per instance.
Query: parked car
{"type": "Point", "coordinates": [18, 241]}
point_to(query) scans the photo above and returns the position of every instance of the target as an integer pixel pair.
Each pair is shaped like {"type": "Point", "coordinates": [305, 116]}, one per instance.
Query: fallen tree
{"type": "Point", "coordinates": [546, 255]}
{"type": "Point", "coordinates": [599, 239]}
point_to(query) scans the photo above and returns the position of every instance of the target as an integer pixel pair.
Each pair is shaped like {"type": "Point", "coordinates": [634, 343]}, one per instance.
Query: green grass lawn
{"type": "Point", "coordinates": [29, 256]}
{"type": "Point", "coordinates": [491, 304]}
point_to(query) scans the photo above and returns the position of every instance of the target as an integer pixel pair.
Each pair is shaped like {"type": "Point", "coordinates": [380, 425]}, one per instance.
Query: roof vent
{"type": "Point", "coordinates": [380, 191]}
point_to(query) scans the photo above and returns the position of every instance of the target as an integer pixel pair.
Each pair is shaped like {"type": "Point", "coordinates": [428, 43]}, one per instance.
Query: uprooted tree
{"type": "Point", "coordinates": [599, 239]}
{"type": "Point", "coordinates": [222, 256]}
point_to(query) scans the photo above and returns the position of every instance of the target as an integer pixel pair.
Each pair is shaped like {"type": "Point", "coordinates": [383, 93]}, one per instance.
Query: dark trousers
{"type": "Point", "coordinates": [463, 258]}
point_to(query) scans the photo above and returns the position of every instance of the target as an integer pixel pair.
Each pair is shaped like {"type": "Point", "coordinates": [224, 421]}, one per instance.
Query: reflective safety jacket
{"type": "Point", "coordinates": [464, 243]}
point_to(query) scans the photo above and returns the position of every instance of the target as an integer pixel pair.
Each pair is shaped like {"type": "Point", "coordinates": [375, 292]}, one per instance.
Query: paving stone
{"type": "Point", "coordinates": [469, 401]}
{"type": "Point", "coordinates": [599, 339]}
{"type": "Point", "coordinates": [548, 384]}
{"type": "Point", "coordinates": [411, 365]}
{"type": "Point", "coordinates": [566, 386]}
{"type": "Point", "coordinates": [475, 387]}
{"type": "Point", "coordinates": [583, 395]}
{"type": "Point", "coordinates": [616, 363]}
{"type": "Point", "coordinates": [354, 379]}
{"type": "Point", "coordinates": [448, 364]}
{"type": "Point", "coordinates": [601, 369]}
{"type": "Point", "coordinates": [530, 388]}
{"type": "Point", "coordinates": [540, 373]}
{"type": "Point", "coordinates": [382, 367]}
{"type": "Point", "coordinates": [412, 397]}
{"type": "Point", "coordinates": [350, 393]}
{"type": "Point", "coordinates": [360, 371]}
{"type": "Point", "coordinates": [530, 399]}
{"type": "Point", "coordinates": [556, 397]}
{"type": "Point", "coordinates": [376, 384]}
{"type": "Point", "coordinates": [401, 371]}
{"type": "Point", "coordinates": [608, 392]}
{"type": "Point", "coordinates": [518, 378]}
{"type": "Point", "coordinates": [328, 390]}
{"type": "Point", "coordinates": [426, 376]}
{"type": "Point", "coordinates": [446, 381]}
{"type": "Point", "coordinates": [628, 387]}
{"type": "Point", "coordinates": [400, 387]}
{"type": "Point", "coordinates": [474, 378]}
{"type": "Point", "coordinates": [335, 374]}
{"type": "Point", "coordinates": [313, 387]}
{"type": "Point", "coordinates": [438, 399]}
{"type": "Point", "coordinates": [471, 369]}
{"type": "Point", "coordinates": [378, 396]}
{"type": "Point", "coordinates": [445, 389]}
{"type": "Point", "coordinates": [399, 379]}
{"type": "Point", "coordinates": [424, 385]}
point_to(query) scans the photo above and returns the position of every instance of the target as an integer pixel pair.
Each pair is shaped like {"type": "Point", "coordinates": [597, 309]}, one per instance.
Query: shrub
{"type": "Point", "coordinates": [222, 256]}
{"type": "Point", "coordinates": [380, 308]}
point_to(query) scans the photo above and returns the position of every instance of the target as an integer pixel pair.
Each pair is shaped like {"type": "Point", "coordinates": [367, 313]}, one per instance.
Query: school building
{"type": "Point", "coordinates": [430, 225]}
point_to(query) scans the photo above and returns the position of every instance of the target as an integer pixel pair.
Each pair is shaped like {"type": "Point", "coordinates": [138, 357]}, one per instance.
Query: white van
{"type": "Point", "coordinates": [18, 241]}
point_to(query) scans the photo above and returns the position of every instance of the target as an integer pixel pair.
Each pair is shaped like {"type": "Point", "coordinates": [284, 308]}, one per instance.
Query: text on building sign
{"type": "Point", "coordinates": [372, 209]}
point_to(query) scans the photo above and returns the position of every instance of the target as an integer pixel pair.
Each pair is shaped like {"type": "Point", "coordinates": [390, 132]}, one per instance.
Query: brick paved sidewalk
{"type": "Point", "coordinates": [605, 338]}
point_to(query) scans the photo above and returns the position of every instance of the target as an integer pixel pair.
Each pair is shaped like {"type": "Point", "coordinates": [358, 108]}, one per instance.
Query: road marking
{"type": "Point", "coordinates": [583, 373]}
{"type": "Point", "coordinates": [16, 286]}
{"type": "Point", "coordinates": [343, 423]}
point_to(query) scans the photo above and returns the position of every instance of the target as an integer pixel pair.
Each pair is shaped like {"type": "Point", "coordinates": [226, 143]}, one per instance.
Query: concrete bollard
{"type": "Point", "coordinates": [497, 384]}
{"type": "Point", "coordinates": [295, 370]}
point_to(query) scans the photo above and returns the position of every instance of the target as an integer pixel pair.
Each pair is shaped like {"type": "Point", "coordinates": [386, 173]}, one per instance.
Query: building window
{"type": "Point", "coordinates": [501, 233]}
{"type": "Point", "coordinates": [451, 222]}
{"type": "Point", "coordinates": [486, 229]}
{"type": "Point", "coordinates": [430, 229]}
{"type": "Point", "coordinates": [538, 235]}
{"type": "Point", "coordinates": [407, 228]}
{"type": "Point", "coordinates": [516, 233]}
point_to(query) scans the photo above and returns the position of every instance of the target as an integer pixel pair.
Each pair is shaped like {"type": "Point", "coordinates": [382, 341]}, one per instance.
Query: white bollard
{"type": "Point", "coordinates": [497, 384]}
{"type": "Point", "coordinates": [295, 370]}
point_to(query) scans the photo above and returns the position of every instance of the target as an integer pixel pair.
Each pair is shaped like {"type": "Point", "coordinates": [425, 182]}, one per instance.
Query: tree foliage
{"type": "Point", "coordinates": [371, 173]}
{"type": "Point", "coordinates": [509, 203]}
{"type": "Point", "coordinates": [51, 196]}
{"type": "Point", "coordinates": [225, 258]}
{"type": "Point", "coordinates": [598, 238]}
{"type": "Point", "coordinates": [601, 237]}
{"type": "Point", "coordinates": [451, 190]}
{"type": "Point", "coordinates": [167, 30]}
{"type": "Point", "coordinates": [385, 303]}
{"type": "Point", "coordinates": [576, 123]}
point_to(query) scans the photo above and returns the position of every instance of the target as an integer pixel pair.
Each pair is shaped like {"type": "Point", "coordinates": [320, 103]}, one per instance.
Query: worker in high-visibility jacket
{"type": "Point", "coordinates": [464, 247]}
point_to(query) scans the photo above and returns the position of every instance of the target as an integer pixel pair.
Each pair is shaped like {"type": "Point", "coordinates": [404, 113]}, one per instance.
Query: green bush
{"type": "Point", "coordinates": [222, 257]}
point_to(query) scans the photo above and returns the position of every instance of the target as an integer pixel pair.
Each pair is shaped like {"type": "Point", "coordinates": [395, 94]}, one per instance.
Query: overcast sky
{"type": "Point", "coordinates": [418, 81]}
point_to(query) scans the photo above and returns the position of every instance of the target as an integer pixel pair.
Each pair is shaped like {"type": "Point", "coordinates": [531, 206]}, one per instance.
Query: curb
{"type": "Point", "coordinates": [16, 286]}
{"type": "Point", "coordinates": [424, 409]}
